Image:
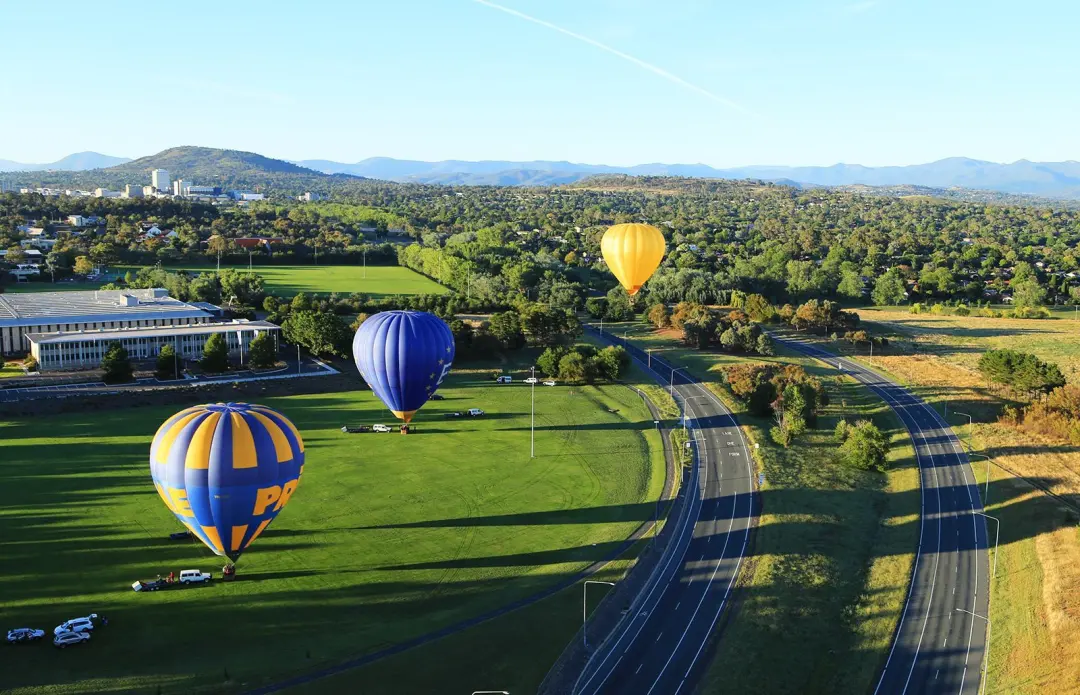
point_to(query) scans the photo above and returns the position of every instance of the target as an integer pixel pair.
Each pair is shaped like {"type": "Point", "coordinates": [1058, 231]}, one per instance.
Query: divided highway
{"type": "Point", "coordinates": [939, 646]}
{"type": "Point", "coordinates": [659, 649]}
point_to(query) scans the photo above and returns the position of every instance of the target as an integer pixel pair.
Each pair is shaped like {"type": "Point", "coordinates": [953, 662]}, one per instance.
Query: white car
{"type": "Point", "coordinates": [474, 412]}
{"type": "Point", "coordinates": [503, 379]}
{"type": "Point", "coordinates": [24, 634]}
{"type": "Point", "coordinates": [549, 383]}
{"type": "Point", "coordinates": [381, 428]}
{"type": "Point", "coordinates": [76, 625]}
{"type": "Point", "coordinates": [532, 380]}
{"type": "Point", "coordinates": [63, 639]}
{"type": "Point", "coordinates": [194, 576]}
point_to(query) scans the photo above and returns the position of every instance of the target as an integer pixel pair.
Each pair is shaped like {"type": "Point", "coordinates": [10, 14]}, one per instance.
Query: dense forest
{"type": "Point", "coordinates": [784, 243]}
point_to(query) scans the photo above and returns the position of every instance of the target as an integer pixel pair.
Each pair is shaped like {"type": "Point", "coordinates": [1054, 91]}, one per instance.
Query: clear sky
{"type": "Point", "coordinates": [722, 82]}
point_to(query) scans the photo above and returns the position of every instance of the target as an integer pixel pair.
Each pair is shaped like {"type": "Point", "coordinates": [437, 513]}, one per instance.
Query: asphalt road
{"type": "Point", "coordinates": [938, 648]}
{"type": "Point", "coordinates": [660, 648]}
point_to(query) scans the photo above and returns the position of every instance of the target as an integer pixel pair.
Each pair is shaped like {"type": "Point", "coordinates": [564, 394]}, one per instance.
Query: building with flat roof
{"type": "Point", "coordinates": [159, 179]}
{"type": "Point", "coordinates": [85, 349]}
{"type": "Point", "coordinates": [50, 312]}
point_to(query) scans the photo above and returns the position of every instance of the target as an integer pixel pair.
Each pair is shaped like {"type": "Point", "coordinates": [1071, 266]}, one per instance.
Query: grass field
{"type": "Point", "coordinates": [832, 556]}
{"type": "Point", "coordinates": [388, 537]}
{"type": "Point", "coordinates": [10, 370]}
{"type": "Point", "coordinates": [1035, 601]}
{"type": "Point", "coordinates": [287, 280]}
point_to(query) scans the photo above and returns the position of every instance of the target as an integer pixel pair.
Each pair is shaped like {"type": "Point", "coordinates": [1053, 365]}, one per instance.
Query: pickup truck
{"type": "Point", "coordinates": [194, 576]}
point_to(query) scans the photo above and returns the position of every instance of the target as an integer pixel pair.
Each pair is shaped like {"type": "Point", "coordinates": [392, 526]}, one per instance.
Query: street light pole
{"type": "Point", "coordinates": [997, 537]}
{"type": "Point", "coordinates": [671, 382]}
{"type": "Point", "coordinates": [584, 615]}
{"type": "Point", "coordinates": [298, 363]}
{"type": "Point", "coordinates": [648, 351]}
{"type": "Point", "coordinates": [532, 424]}
{"type": "Point", "coordinates": [971, 426]}
{"type": "Point", "coordinates": [987, 659]}
{"type": "Point", "coordinates": [986, 492]}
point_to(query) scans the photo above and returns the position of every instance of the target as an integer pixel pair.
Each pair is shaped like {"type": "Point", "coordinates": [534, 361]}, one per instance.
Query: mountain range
{"type": "Point", "coordinates": [1045, 179]}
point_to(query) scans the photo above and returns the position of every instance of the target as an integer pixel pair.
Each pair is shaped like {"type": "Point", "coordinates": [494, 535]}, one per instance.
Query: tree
{"type": "Point", "coordinates": [321, 333]}
{"type": "Point", "coordinates": [117, 365]}
{"type": "Point", "coordinates": [1028, 293]}
{"type": "Point", "coordinates": [728, 339]}
{"type": "Point", "coordinates": [248, 288]}
{"type": "Point", "coordinates": [168, 366]}
{"type": "Point", "coordinates": [850, 285]}
{"type": "Point", "coordinates": [83, 266]}
{"type": "Point", "coordinates": [758, 308]}
{"type": "Point", "coordinates": [889, 288]}
{"type": "Point", "coordinates": [659, 315]}
{"type": "Point", "coordinates": [548, 361]}
{"type": "Point", "coordinates": [596, 307]}
{"type": "Point", "coordinates": [612, 361]}
{"type": "Point", "coordinates": [215, 357]}
{"type": "Point", "coordinates": [103, 254]}
{"type": "Point", "coordinates": [765, 345]}
{"type": "Point", "coordinates": [865, 447]}
{"type": "Point", "coordinates": [15, 255]}
{"type": "Point", "coordinates": [618, 305]}
{"type": "Point", "coordinates": [506, 327]}
{"type": "Point", "coordinates": [205, 288]}
{"type": "Point", "coordinates": [575, 367]}
{"type": "Point", "coordinates": [262, 352]}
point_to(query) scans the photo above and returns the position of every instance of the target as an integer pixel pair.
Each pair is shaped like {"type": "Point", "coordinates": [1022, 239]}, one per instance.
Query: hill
{"type": "Point", "coordinates": [204, 163]}
{"type": "Point", "coordinates": [80, 161]}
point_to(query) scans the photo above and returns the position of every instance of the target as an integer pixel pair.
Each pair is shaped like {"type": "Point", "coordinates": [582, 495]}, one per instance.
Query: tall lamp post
{"type": "Point", "coordinates": [987, 658]}
{"type": "Point", "coordinates": [986, 491]}
{"type": "Point", "coordinates": [671, 382]}
{"type": "Point", "coordinates": [971, 426]}
{"type": "Point", "coordinates": [997, 537]}
{"type": "Point", "coordinates": [532, 424]}
{"type": "Point", "coordinates": [584, 615]}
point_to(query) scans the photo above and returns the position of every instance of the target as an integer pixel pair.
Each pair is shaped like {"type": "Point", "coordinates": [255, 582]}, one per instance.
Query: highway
{"type": "Point", "coordinates": [939, 646]}
{"type": "Point", "coordinates": [661, 647]}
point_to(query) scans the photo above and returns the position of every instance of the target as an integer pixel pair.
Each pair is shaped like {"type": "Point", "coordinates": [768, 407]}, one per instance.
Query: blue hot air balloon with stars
{"type": "Point", "coordinates": [226, 470]}
{"type": "Point", "coordinates": [403, 356]}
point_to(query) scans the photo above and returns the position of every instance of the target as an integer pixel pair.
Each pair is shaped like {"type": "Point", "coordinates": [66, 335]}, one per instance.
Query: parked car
{"type": "Point", "coordinates": [381, 428]}
{"type": "Point", "coordinates": [64, 639]}
{"type": "Point", "coordinates": [549, 383]}
{"type": "Point", "coordinates": [438, 397]}
{"type": "Point", "coordinates": [475, 412]}
{"type": "Point", "coordinates": [24, 634]}
{"type": "Point", "coordinates": [353, 429]}
{"type": "Point", "coordinates": [194, 576]}
{"type": "Point", "coordinates": [77, 624]}
{"type": "Point", "coordinates": [504, 379]}
{"type": "Point", "coordinates": [531, 380]}
{"type": "Point", "coordinates": [456, 413]}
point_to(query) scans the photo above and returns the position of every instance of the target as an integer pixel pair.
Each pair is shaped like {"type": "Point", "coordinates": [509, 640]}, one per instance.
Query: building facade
{"type": "Point", "coordinates": [85, 349]}
{"type": "Point", "coordinates": [51, 312]}
{"type": "Point", "coordinates": [159, 179]}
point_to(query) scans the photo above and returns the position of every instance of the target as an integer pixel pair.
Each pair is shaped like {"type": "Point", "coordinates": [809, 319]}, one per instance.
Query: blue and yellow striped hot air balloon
{"type": "Point", "coordinates": [226, 470]}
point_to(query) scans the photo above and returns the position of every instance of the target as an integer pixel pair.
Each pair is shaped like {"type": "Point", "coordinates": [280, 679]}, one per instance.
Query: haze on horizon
{"type": "Point", "coordinates": [619, 82]}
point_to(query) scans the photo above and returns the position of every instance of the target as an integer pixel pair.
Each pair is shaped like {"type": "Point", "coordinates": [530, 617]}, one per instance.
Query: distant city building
{"type": "Point", "coordinates": [159, 178]}
{"type": "Point", "coordinates": [84, 349]}
{"type": "Point", "coordinates": [133, 191]}
{"type": "Point", "coordinates": [202, 190]}
{"type": "Point", "coordinates": [309, 197]}
{"type": "Point", "coordinates": [49, 312]}
{"type": "Point", "coordinates": [105, 193]}
{"type": "Point", "coordinates": [246, 196]}
{"type": "Point", "coordinates": [148, 191]}
{"type": "Point", "coordinates": [180, 186]}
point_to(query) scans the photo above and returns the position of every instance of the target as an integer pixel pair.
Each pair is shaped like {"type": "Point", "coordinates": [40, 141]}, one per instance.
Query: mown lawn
{"type": "Point", "coordinates": [831, 559]}
{"type": "Point", "coordinates": [387, 538]}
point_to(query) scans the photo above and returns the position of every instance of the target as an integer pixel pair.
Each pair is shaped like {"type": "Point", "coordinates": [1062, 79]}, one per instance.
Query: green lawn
{"type": "Point", "coordinates": [388, 537]}
{"type": "Point", "coordinates": [832, 556]}
{"type": "Point", "coordinates": [10, 370]}
{"type": "Point", "coordinates": [287, 280]}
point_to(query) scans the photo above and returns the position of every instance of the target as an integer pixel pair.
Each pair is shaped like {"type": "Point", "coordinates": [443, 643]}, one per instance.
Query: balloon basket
{"type": "Point", "coordinates": [228, 573]}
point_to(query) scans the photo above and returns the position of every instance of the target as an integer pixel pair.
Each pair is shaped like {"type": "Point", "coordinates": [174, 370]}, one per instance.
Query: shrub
{"type": "Point", "coordinates": [215, 357]}
{"type": "Point", "coordinates": [262, 353]}
{"type": "Point", "coordinates": [117, 365]}
{"type": "Point", "coordinates": [865, 447]}
{"type": "Point", "coordinates": [168, 365]}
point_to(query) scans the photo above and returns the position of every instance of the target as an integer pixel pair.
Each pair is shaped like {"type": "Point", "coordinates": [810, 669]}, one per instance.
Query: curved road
{"type": "Point", "coordinates": [939, 646]}
{"type": "Point", "coordinates": [659, 649]}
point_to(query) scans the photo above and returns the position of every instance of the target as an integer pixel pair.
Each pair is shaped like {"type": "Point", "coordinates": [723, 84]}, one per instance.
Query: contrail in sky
{"type": "Point", "coordinates": [614, 51]}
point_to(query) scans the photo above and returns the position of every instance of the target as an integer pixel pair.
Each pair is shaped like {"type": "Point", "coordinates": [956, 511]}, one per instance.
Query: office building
{"type": "Point", "coordinates": [159, 178]}
{"type": "Point", "coordinates": [133, 191]}
{"type": "Point", "coordinates": [49, 312]}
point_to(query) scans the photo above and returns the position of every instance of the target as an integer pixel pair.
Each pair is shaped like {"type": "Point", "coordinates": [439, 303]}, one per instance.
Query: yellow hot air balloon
{"type": "Point", "coordinates": [633, 252]}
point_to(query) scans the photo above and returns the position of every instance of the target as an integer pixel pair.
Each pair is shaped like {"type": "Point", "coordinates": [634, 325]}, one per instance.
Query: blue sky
{"type": "Point", "coordinates": [722, 82]}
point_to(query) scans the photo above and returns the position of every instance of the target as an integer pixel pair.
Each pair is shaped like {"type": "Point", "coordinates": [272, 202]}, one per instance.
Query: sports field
{"type": "Point", "coordinates": [387, 538]}
{"type": "Point", "coordinates": [287, 280]}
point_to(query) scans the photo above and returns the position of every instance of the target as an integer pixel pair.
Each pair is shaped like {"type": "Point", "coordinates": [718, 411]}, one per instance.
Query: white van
{"type": "Point", "coordinates": [380, 428]}
{"type": "Point", "coordinates": [504, 379]}
{"type": "Point", "coordinates": [193, 576]}
{"type": "Point", "coordinates": [474, 412]}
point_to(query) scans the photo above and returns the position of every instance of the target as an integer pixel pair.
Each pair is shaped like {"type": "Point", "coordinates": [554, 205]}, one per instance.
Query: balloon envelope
{"type": "Point", "coordinates": [403, 356]}
{"type": "Point", "coordinates": [633, 252]}
{"type": "Point", "coordinates": [226, 470]}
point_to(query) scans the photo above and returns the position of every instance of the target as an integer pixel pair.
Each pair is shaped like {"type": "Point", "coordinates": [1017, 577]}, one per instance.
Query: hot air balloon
{"type": "Point", "coordinates": [403, 356]}
{"type": "Point", "coordinates": [633, 252]}
{"type": "Point", "coordinates": [226, 470]}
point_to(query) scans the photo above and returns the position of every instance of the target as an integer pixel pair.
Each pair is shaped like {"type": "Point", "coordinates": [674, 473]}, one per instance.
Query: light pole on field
{"type": "Point", "coordinates": [971, 426]}
{"type": "Point", "coordinates": [986, 492]}
{"type": "Point", "coordinates": [532, 424]}
{"type": "Point", "coordinates": [997, 537]}
{"type": "Point", "coordinates": [987, 658]}
{"type": "Point", "coordinates": [584, 614]}
{"type": "Point", "coordinates": [648, 351]}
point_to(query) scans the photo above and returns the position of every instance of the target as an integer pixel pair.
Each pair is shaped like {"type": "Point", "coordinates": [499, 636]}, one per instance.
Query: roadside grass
{"type": "Point", "coordinates": [388, 537]}
{"type": "Point", "coordinates": [1035, 609]}
{"type": "Point", "coordinates": [11, 370]}
{"type": "Point", "coordinates": [833, 553]}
